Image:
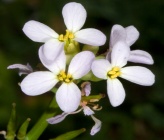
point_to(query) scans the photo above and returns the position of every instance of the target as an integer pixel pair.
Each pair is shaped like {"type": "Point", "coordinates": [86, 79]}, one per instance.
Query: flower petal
{"type": "Point", "coordinates": [38, 83]}
{"type": "Point", "coordinates": [138, 75]}
{"type": "Point", "coordinates": [80, 65]}
{"type": "Point", "coordinates": [68, 97]}
{"type": "Point", "coordinates": [87, 89]}
{"type": "Point", "coordinates": [52, 49]}
{"type": "Point", "coordinates": [116, 92]}
{"type": "Point", "coordinates": [120, 54]}
{"type": "Point", "coordinates": [58, 118]}
{"type": "Point", "coordinates": [74, 16]}
{"type": "Point", "coordinates": [88, 111]}
{"type": "Point", "coordinates": [23, 69]}
{"type": "Point", "coordinates": [139, 56]}
{"type": "Point", "coordinates": [118, 33]}
{"type": "Point", "coordinates": [96, 128]}
{"type": "Point", "coordinates": [100, 68]}
{"type": "Point", "coordinates": [38, 32]}
{"type": "Point", "coordinates": [91, 37]}
{"type": "Point", "coordinates": [132, 35]}
{"type": "Point", "coordinates": [56, 65]}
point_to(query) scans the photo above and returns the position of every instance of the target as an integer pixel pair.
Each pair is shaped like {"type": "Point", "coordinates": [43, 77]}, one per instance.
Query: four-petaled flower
{"type": "Point", "coordinates": [129, 35]}
{"type": "Point", "coordinates": [68, 95]}
{"type": "Point", "coordinates": [114, 68]}
{"type": "Point", "coordinates": [74, 16]}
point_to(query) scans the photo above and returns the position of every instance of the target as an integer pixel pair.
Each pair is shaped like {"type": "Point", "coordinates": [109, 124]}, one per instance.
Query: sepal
{"type": "Point", "coordinates": [90, 76]}
{"type": "Point", "coordinates": [93, 49]}
{"type": "Point", "coordinates": [11, 127]}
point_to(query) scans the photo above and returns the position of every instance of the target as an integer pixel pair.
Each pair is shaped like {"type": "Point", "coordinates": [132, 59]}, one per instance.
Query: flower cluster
{"type": "Point", "coordinates": [65, 73]}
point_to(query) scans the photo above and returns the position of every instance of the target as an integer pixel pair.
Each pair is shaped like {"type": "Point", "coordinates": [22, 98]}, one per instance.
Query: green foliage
{"type": "Point", "coordinates": [70, 135]}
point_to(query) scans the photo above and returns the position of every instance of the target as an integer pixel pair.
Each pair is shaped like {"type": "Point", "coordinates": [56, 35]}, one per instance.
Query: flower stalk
{"type": "Point", "coordinates": [41, 124]}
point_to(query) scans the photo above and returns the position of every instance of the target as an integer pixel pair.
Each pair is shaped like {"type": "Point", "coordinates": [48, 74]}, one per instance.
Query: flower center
{"type": "Point", "coordinates": [114, 72]}
{"type": "Point", "coordinates": [68, 36]}
{"type": "Point", "coordinates": [63, 77]}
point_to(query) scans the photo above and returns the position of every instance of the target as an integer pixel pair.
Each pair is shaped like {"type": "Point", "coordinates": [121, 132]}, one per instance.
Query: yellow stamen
{"type": "Point", "coordinates": [114, 72]}
{"type": "Point", "coordinates": [67, 78]}
{"type": "Point", "coordinates": [68, 36]}
{"type": "Point", "coordinates": [61, 37]}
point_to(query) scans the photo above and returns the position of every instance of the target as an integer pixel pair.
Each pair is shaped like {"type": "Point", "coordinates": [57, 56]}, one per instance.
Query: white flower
{"type": "Point", "coordinates": [87, 111]}
{"type": "Point", "coordinates": [129, 35]}
{"type": "Point", "coordinates": [110, 71]}
{"type": "Point", "coordinates": [68, 95]}
{"type": "Point", "coordinates": [74, 16]}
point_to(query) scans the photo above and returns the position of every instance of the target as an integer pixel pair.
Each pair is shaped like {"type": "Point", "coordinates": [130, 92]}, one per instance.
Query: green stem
{"type": "Point", "coordinates": [41, 124]}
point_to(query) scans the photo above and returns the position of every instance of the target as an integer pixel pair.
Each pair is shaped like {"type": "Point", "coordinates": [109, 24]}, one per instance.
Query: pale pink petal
{"type": "Point", "coordinates": [87, 111]}
{"type": "Point", "coordinates": [91, 37]}
{"type": "Point", "coordinates": [23, 69]}
{"type": "Point", "coordinates": [52, 49]}
{"type": "Point", "coordinates": [118, 33]}
{"type": "Point", "coordinates": [139, 56]}
{"type": "Point", "coordinates": [100, 68]}
{"type": "Point", "coordinates": [138, 75]}
{"type": "Point", "coordinates": [87, 89]}
{"type": "Point", "coordinates": [74, 16]}
{"type": "Point", "coordinates": [116, 92]}
{"type": "Point", "coordinates": [96, 128]}
{"type": "Point", "coordinates": [108, 56]}
{"type": "Point", "coordinates": [38, 83]}
{"type": "Point", "coordinates": [55, 65]}
{"type": "Point", "coordinates": [132, 35]}
{"type": "Point", "coordinates": [38, 32]}
{"type": "Point", "coordinates": [120, 54]}
{"type": "Point", "coordinates": [80, 65]}
{"type": "Point", "coordinates": [68, 97]}
{"type": "Point", "coordinates": [58, 118]}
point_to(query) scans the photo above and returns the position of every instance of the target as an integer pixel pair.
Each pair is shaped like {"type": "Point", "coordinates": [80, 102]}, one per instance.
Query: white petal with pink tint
{"type": "Point", "coordinates": [74, 16]}
{"type": "Point", "coordinates": [100, 68]}
{"type": "Point", "coordinates": [52, 49]}
{"type": "Point", "coordinates": [118, 33]}
{"type": "Point", "coordinates": [140, 56]}
{"type": "Point", "coordinates": [91, 37]}
{"type": "Point", "coordinates": [56, 65]}
{"type": "Point", "coordinates": [96, 128]}
{"type": "Point", "coordinates": [116, 92]}
{"type": "Point", "coordinates": [120, 54]}
{"type": "Point", "coordinates": [68, 97]}
{"type": "Point", "coordinates": [80, 65]}
{"type": "Point", "coordinates": [39, 32]}
{"type": "Point", "coordinates": [138, 75]}
{"type": "Point", "coordinates": [38, 83]}
{"type": "Point", "coordinates": [132, 35]}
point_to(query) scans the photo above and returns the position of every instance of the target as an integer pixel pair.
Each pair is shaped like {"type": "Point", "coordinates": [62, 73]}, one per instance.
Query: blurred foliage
{"type": "Point", "coordinates": [141, 115]}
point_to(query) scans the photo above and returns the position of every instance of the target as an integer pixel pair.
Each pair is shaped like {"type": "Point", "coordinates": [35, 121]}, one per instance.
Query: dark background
{"type": "Point", "coordinates": [141, 115]}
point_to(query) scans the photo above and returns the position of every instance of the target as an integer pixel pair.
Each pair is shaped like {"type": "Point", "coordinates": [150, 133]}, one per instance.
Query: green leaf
{"type": "Point", "coordinates": [42, 124]}
{"type": "Point", "coordinates": [70, 135]}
